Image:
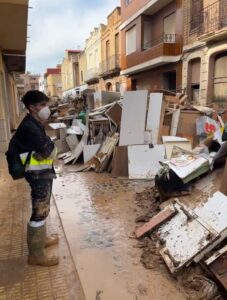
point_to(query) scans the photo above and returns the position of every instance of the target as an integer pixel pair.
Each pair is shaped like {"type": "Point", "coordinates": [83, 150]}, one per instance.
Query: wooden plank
{"type": "Point", "coordinates": [165, 130]}
{"type": "Point", "coordinates": [187, 124]}
{"type": "Point", "coordinates": [133, 118]}
{"type": "Point", "coordinates": [106, 151]}
{"type": "Point", "coordinates": [161, 122]}
{"type": "Point", "coordinates": [172, 99]}
{"type": "Point", "coordinates": [120, 162]}
{"type": "Point", "coordinates": [144, 161]}
{"type": "Point", "coordinates": [156, 221]}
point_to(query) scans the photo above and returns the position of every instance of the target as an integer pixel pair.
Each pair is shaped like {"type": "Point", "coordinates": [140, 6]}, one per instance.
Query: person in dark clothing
{"type": "Point", "coordinates": [33, 141]}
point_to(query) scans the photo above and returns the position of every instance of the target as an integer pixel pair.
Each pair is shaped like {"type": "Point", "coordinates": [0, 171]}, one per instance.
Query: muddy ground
{"type": "Point", "coordinates": [99, 215]}
{"type": "Point", "coordinates": [195, 281]}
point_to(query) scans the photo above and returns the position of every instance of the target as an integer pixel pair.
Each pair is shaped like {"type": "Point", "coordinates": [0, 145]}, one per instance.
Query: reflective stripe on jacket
{"type": "Point", "coordinates": [38, 165]}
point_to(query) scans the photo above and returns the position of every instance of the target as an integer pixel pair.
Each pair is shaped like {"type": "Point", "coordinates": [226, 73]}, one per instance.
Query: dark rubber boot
{"type": "Point", "coordinates": [36, 242]}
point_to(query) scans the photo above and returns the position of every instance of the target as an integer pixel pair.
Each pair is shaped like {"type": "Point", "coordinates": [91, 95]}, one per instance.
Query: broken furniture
{"type": "Point", "coordinates": [189, 234]}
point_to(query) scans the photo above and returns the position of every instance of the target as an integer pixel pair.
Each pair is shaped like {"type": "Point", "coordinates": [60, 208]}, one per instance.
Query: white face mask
{"type": "Point", "coordinates": [44, 113]}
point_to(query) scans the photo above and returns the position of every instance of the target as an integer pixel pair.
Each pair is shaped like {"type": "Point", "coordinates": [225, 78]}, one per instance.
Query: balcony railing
{"type": "Point", "coordinates": [169, 38]}
{"type": "Point", "coordinates": [211, 18]}
{"type": "Point", "coordinates": [92, 74]}
{"type": "Point", "coordinates": [110, 65]}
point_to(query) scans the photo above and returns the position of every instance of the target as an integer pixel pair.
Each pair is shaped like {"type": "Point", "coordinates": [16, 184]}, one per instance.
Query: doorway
{"type": "Point", "coordinates": [170, 80]}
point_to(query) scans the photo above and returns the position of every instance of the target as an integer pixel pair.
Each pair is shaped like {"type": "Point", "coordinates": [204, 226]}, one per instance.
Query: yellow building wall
{"type": "Point", "coordinates": [13, 101]}
{"type": "Point", "coordinates": [70, 78]}
{"type": "Point", "coordinates": [93, 49]}
{"type": "Point", "coordinates": [109, 34]}
{"type": "Point", "coordinates": [9, 110]}
{"type": "Point", "coordinates": [82, 67]}
{"type": "Point", "coordinates": [54, 85]}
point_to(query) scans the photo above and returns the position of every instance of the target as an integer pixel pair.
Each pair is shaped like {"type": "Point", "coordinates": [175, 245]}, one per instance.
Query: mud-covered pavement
{"type": "Point", "coordinates": [98, 215]}
{"type": "Point", "coordinates": [18, 280]}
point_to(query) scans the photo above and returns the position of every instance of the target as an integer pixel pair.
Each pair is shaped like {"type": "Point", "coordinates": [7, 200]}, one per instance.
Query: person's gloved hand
{"type": "Point", "coordinates": [37, 156]}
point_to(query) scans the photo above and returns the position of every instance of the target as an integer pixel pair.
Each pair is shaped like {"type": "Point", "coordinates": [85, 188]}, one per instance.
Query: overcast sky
{"type": "Point", "coordinates": [57, 25]}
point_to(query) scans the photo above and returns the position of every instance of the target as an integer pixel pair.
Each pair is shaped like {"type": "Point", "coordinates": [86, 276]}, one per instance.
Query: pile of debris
{"type": "Point", "coordinates": [180, 237]}
{"type": "Point", "coordinates": [132, 136]}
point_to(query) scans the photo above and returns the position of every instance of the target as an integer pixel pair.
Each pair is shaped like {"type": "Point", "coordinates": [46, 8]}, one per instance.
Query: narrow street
{"type": "Point", "coordinates": [97, 219]}
{"type": "Point", "coordinates": [98, 214]}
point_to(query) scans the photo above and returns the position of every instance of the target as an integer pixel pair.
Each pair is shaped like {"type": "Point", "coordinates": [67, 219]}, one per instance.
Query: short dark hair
{"type": "Point", "coordinates": [34, 97]}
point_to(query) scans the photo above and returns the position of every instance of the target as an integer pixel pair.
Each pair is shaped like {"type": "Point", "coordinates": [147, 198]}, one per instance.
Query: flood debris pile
{"type": "Point", "coordinates": [132, 137]}
{"type": "Point", "coordinates": [191, 243]}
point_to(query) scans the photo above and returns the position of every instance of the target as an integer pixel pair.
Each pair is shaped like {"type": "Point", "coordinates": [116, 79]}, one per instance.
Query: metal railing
{"type": "Point", "coordinates": [211, 18]}
{"type": "Point", "coordinates": [111, 64]}
{"type": "Point", "coordinates": [167, 38]}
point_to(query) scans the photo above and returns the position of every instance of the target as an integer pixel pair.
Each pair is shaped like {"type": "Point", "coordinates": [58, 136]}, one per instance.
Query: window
{"type": "Point", "coordinates": [170, 28]}
{"type": "Point", "coordinates": [127, 2]}
{"type": "Point", "coordinates": [147, 32]}
{"type": "Point", "coordinates": [107, 49]}
{"type": "Point", "coordinates": [196, 14]}
{"type": "Point", "coordinates": [117, 49]}
{"type": "Point", "coordinates": [131, 40]}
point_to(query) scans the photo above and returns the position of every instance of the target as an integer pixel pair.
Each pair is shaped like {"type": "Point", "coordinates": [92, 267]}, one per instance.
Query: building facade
{"type": "Point", "coordinates": [151, 43]}
{"type": "Point", "coordinates": [53, 82]}
{"type": "Point", "coordinates": [205, 51]}
{"type": "Point", "coordinates": [82, 68]}
{"type": "Point", "coordinates": [31, 81]}
{"type": "Point", "coordinates": [70, 70]}
{"type": "Point", "coordinates": [13, 42]}
{"type": "Point", "coordinates": [110, 67]}
{"type": "Point", "coordinates": [93, 51]}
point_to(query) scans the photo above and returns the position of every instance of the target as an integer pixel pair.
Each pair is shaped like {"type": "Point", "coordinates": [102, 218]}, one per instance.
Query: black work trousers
{"type": "Point", "coordinates": [41, 190]}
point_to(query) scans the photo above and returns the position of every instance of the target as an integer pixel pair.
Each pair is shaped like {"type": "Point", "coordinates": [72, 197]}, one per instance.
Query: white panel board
{"type": "Point", "coordinates": [183, 239]}
{"type": "Point", "coordinates": [154, 115]}
{"type": "Point", "coordinates": [133, 118]}
{"type": "Point", "coordinates": [175, 122]}
{"type": "Point", "coordinates": [77, 151]}
{"type": "Point", "coordinates": [89, 151]}
{"type": "Point", "coordinates": [57, 125]}
{"type": "Point", "coordinates": [72, 141]}
{"type": "Point", "coordinates": [214, 212]}
{"type": "Point", "coordinates": [144, 161]}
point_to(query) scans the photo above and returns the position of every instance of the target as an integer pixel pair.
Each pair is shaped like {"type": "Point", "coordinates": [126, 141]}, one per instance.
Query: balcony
{"type": "Point", "coordinates": [110, 66]}
{"type": "Point", "coordinates": [160, 51]}
{"type": "Point", "coordinates": [211, 22]}
{"type": "Point", "coordinates": [164, 39]}
{"type": "Point", "coordinates": [92, 75]}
